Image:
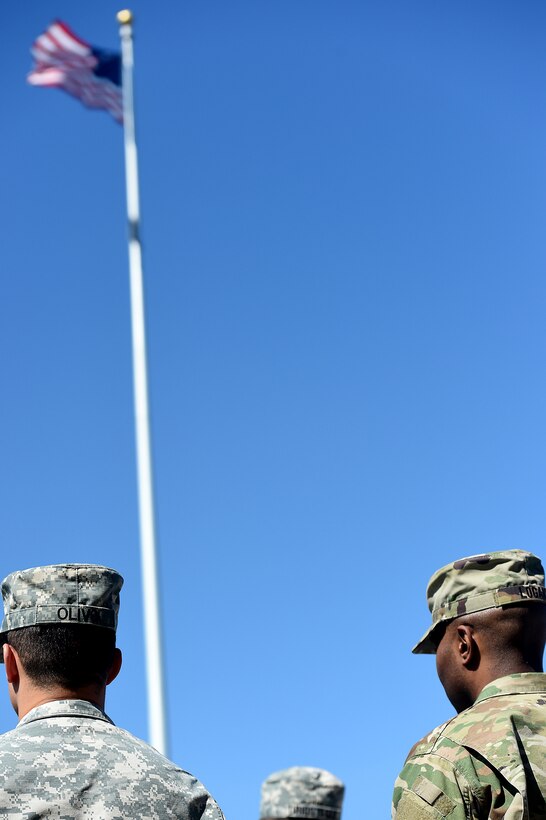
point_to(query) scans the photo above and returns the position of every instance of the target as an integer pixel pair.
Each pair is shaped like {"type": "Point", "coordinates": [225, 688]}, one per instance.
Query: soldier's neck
{"type": "Point", "coordinates": [29, 697]}
{"type": "Point", "coordinates": [491, 671]}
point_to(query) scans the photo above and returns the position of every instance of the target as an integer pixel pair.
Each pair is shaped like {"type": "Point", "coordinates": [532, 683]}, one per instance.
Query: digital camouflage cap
{"type": "Point", "coordinates": [63, 594]}
{"type": "Point", "coordinates": [302, 792]}
{"type": "Point", "coordinates": [488, 581]}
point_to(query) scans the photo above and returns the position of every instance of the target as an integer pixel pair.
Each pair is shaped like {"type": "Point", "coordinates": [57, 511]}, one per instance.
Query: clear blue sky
{"type": "Point", "coordinates": [344, 213]}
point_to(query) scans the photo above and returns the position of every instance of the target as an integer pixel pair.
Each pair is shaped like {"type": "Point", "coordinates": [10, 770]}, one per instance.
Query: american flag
{"type": "Point", "coordinates": [64, 60]}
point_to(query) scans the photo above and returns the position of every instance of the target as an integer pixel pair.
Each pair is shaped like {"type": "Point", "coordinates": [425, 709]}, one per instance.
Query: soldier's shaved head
{"type": "Point", "coordinates": [511, 634]}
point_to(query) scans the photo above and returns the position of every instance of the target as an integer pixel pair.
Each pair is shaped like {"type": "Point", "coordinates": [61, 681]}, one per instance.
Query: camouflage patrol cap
{"type": "Point", "coordinates": [61, 594]}
{"type": "Point", "coordinates": [495, 579]}
{"type": "Point", "coordinates": [302, 791]}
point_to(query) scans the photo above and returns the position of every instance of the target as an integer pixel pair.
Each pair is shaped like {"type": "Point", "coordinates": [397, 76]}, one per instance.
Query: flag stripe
{"type": "Point", "coordinates": [66, 38]}
{"type": "Point", "coordinates": [49, 76]}
{"type": "Point", "coordinates": [46, 44]}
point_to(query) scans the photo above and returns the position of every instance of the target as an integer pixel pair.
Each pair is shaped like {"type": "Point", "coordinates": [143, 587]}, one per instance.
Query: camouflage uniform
{"type": "Point", "coordinates": [302, 792]}
{"type": "Point", "coordinates": [489, 760]}
{"type": "Point", "coordinates": [66, 760]}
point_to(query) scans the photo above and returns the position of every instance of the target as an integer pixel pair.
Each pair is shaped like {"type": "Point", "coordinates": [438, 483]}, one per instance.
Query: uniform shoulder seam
{"type": "Point", "coordinates": [429, 741]}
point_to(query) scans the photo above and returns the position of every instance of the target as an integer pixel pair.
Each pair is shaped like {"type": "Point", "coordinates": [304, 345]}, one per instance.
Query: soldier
{"type": "Point", "coordinates": [66, 759]}
{"type": "Point", "coordinates": [302, 792]}
{"type": "Point", "coordinates": [488, 633]}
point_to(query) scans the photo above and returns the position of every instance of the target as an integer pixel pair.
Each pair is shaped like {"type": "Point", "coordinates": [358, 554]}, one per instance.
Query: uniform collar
{"type": "Point", "coordinates": [523, 683]}
{"type": "Point", "coordinates": [64, 708]}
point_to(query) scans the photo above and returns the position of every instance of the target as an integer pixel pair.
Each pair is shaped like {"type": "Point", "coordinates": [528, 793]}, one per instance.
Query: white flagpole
{"type": "Point", "coordinates": [150, 588]}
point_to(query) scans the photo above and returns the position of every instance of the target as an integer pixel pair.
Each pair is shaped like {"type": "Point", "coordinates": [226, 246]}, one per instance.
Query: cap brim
{"type": "Point", "coordinates": [427, 645]}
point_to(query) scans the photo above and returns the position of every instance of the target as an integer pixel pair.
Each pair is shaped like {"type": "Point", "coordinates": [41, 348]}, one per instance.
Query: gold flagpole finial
{"type": "Point", "coordinates": [125, 17]}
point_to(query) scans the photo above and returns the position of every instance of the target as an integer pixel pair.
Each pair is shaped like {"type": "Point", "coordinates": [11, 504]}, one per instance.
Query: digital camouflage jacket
{"type": "Point", "coordinates": [66, 760]}
{"type": "Point", "coordinates": [487, 762]}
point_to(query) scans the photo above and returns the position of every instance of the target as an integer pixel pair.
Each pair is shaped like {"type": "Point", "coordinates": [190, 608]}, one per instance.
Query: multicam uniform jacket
{"type": "Point", "coordinates": [487, 762]}
{"type": "Point", "coordinates": [66, 760]}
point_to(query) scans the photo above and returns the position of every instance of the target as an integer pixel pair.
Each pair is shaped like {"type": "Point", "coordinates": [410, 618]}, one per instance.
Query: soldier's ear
{"type": "Point", "coordinates": [11, 663]}
{"type": "Point", "coordinates": [467, 646]}
{"type": "Point", "coordinates": [116, 666]}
